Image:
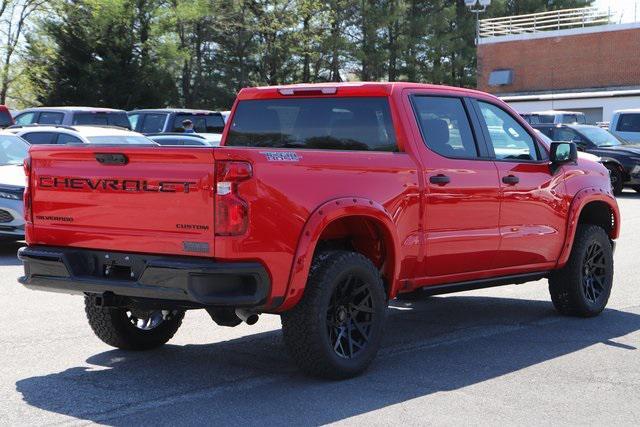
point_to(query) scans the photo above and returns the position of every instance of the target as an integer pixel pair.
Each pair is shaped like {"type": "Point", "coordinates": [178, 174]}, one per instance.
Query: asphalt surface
{"type": "Point", "coordinates": [497, 356]}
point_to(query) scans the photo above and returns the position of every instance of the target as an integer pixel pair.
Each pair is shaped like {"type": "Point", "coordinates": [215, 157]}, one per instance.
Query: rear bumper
{"type": "Point", "coordinates": [193, 281]}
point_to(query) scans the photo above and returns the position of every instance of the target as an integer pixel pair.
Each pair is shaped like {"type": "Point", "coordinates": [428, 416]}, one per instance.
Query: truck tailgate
{"type": "Point", "coordinates": [137, 199]}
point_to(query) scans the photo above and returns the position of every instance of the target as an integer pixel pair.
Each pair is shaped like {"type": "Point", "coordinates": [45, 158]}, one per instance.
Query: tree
{"type": "Point", "coordinates": [14, 17]}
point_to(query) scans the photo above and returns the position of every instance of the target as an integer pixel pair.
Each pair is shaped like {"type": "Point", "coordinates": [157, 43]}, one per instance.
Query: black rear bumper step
{"type": "Point", "coordinates": [198, 281]}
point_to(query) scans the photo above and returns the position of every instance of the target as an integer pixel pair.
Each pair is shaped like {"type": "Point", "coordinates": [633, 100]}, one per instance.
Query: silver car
{"type": "Point", "coordinates": [13, 150]}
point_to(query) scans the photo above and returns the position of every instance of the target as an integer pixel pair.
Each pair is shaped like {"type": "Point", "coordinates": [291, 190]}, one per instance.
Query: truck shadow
{"type": "Point", "coordinates": [8, 251]}
{"type": "Point", "coordinates": [435, 345]}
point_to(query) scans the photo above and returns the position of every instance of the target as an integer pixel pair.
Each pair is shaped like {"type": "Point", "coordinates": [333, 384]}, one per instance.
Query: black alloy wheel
{"type": "Point", "coordinates": [594, 272]}
{"type": "Point", "coordinates": [350, 316]}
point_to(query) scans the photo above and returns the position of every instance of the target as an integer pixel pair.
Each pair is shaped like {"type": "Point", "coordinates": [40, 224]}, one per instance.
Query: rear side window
{"type": "Point", "coordinates": [361, 124]}
{"type": "Point", "coordinates": [65, 138]}
{"type": "Point", "coordinates": [510, 141]}
{"type": "Point", "coordinates": [47, 118]}
{"type": "Point", "coordinates": [153, 123]}
{"type": "Point", "coordinates": [40, 137]}
{"type": "Point", "coordinates": [445, 126]}
{"type": "Point", "coordinates": [202, 123]}
{"type": "Point", "coordinates": [102, 119]}
{"type": "Point", "coordinates": [90, 119]}
{"type": "Point", "coordinates": [168, 141]}
{"type": "Point", "coordinates": [628, 123]}
{"type": "Point", "coordinates": [25, 119]}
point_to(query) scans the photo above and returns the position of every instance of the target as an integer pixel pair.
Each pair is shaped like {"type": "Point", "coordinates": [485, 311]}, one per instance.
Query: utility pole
{"type": "Point", "coordinates": [477, 7]}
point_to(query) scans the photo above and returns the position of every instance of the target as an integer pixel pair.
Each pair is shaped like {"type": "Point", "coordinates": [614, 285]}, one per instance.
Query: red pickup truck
{"type": "Point", "coordinates": [323, 203]}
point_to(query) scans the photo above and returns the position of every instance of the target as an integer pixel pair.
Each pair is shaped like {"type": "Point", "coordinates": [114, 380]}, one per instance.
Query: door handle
{"type": "Point", "coordinates": [439, 179]}
{"type": "Point", "coordinates": [510, 179]}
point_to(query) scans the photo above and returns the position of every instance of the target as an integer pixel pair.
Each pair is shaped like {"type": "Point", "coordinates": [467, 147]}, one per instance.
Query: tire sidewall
{"type": "Point", "coordinates": [364, 357]}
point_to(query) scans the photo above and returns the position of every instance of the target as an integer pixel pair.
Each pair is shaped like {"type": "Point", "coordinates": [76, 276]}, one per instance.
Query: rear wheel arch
{"type": "Point", "coordinates": [355, 224]}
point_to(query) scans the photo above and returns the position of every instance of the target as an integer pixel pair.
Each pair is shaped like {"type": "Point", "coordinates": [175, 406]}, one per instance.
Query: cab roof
{"type": "Point", "coordinates": [173, 110]}
{"type": "Point", "coordinates": [349, 89]}
{"type": "Point", "coordinates": [81, 109]}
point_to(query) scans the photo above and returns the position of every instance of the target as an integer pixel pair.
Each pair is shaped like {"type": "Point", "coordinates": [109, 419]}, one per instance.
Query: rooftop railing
{"type": "Point", "coordinates": [544, 21]}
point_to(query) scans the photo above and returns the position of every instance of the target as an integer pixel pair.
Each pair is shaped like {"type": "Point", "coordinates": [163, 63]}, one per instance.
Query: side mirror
{"type": "Point", "coordinates": [563, 152]}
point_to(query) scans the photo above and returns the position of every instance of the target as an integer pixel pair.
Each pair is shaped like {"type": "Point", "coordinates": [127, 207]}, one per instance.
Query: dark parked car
{"type": "Point", "coordinates": [70, 116]}
{"type": "Point", "coordinates": [620, 157]}
{"type": "Point", "coordinates": [209, 124]}
{"type": "Point", "coordinates": [180, 139]}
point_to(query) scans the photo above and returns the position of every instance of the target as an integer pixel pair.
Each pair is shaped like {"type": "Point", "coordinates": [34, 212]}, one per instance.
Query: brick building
{"type": "Point", "coordinates": [569, 60]}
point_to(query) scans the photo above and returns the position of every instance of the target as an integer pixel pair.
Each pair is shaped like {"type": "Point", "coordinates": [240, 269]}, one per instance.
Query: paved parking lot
{"type": "Point", "coordinates": [500, 355]}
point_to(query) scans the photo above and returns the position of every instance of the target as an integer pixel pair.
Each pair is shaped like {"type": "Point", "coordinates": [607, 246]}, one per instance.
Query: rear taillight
{"type": "Point", "coordinates": [28, 217]}
{"type": "Point", "coordinates": [232, 212]}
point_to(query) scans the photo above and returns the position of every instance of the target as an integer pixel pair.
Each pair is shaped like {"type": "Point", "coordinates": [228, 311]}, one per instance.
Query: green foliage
{"type": "Point", "coordinates": [199, 53]}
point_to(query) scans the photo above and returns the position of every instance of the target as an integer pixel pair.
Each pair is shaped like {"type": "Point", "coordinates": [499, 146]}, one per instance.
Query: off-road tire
{"type": "Point", "coordinates": [567, 285]}
{"type": "Point", "coordinates": [307, 330]}
{"type": "Point", "coordinates": [114, 328]}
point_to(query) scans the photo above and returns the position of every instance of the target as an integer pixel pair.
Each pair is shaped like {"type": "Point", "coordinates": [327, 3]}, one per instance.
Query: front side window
{"type": "Point", "coordinates": [50, 118]}
{"type": "Point", "coordinates": [445, 126]}
{"type": "Point", "coordinates": [360, 124]}
{"type": "Point", "coordinates": [509, 139]}
{"type": "Point", "coordinates": [628, 123]}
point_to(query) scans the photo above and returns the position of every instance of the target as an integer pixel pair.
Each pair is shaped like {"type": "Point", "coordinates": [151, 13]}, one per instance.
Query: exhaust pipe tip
{"type": "Point", "coordinates": [247, 316]}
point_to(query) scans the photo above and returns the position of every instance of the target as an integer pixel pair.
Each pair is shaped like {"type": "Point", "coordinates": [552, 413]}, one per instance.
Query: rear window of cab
{"type": "Point", "coordinates": [360, 124]}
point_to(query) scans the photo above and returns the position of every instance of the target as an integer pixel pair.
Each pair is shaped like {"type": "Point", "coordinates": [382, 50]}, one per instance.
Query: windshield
{"type": "Point", "coordinates": [120, 140]}
{"type": "Point", "coordinates": [600, 137]}
{"type": "Point", "coordinates": [13, 150]}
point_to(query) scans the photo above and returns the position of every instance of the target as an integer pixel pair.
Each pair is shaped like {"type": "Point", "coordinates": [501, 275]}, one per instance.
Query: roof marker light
{"type": "Point", "coordinates": [289, 91]}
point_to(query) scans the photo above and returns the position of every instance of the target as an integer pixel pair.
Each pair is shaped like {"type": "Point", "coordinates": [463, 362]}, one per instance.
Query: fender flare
{"type": "Point", "coordinates": [581, 199]}
{"type": "Point", "coordinates": [610, 160]}
{"type": "Point", "coordinates": [319, 219]}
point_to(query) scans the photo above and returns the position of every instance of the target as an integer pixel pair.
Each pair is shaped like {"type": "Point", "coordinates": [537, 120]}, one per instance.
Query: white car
{"type": "Point", "coordinates": [103, 135]}
{"type": "Point", "coordinates": [555, 117]}
{"type": "Point", "coordinates": [13, 150]}
{"type": "Point", "coordinates": [625, 124]}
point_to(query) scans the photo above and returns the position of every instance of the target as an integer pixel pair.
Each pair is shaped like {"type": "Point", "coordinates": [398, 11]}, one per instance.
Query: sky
{"type": "Point", "coordinates": [623, 10]}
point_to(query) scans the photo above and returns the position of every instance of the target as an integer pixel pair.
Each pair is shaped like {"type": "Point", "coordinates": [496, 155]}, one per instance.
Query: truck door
{"type": "Point", "coordinates": [532, 212]}
{"type": "Point", "coordinates": [462, 190]}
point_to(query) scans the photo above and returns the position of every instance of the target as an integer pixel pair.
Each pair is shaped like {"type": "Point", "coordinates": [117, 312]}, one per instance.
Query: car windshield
{"type": "Point", "coordinates": [13, 150]}
{"type": "Point", "coordinates": [120, 140]}
{"type": "Point", "coordinates": [600, 137]}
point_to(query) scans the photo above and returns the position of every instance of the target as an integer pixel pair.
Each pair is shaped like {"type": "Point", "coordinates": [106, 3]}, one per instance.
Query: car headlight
{"type": "Point", "coordinates": [9, 196]}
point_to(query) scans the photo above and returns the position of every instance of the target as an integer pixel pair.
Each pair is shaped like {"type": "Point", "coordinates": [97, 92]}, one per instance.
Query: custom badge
{"type": "Point", "coordinates": [281, 156]}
